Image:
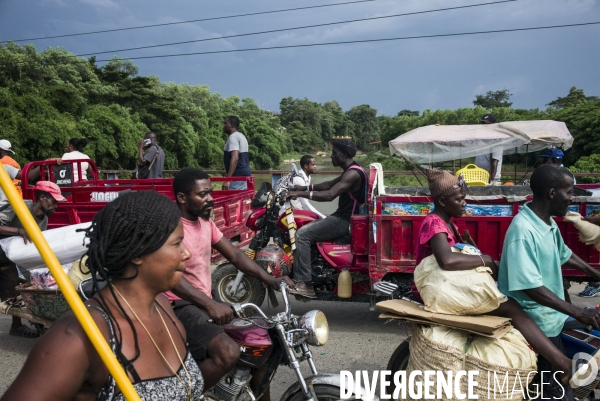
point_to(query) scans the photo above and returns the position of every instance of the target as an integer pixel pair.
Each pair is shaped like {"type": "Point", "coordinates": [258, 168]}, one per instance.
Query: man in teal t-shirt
{"type": "Point", "coordinates": [532, 255]}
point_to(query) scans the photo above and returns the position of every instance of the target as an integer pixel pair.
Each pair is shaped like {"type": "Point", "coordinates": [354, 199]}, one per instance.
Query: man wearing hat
{"type": "Point", "coordinates": [47, 194]}
{"type": "Point", "coordinates": [552, 156]}
{"type": "Point", "coordinates": [13, 170]}
{"type": "Point", "coordinates": [350, 186]}
{"type": "Point", "coordinates": [492, 162]}
{"type": "Point", "coordinates": [5, 151]}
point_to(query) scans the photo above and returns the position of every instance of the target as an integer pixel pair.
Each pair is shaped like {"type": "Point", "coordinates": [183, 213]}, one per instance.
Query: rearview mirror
{"type": "Point", "coordinates": [294, 169]}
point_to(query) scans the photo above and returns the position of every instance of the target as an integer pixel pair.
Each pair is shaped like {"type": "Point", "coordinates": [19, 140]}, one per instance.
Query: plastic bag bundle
{"type": "Point", "coordinates": [42, 278]}
{"type": "Point", "coordinates": [461, 292]}
{"type": "Point", "coordinates": [443, 349]}
{"type": "Point", "coordinates": [66, 243]}
{"type": "Point", "coordinates": [589, 233]}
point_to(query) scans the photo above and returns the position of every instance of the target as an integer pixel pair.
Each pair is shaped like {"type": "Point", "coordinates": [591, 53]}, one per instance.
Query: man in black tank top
{"type": "Point", "coordinates": [350, 186]}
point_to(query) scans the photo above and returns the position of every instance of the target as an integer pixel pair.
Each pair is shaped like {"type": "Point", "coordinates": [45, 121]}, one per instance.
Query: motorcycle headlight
{"type": "Point", "coordinates": [315, 323]}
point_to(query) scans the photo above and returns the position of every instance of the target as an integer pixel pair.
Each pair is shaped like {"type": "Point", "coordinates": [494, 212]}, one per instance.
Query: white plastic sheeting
{"type": "Point", "coordinates": [66, 243]}
{"type": "Point", "coordinates": [437, 143]}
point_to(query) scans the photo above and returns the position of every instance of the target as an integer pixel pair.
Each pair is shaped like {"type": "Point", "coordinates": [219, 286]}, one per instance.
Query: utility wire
{"type": "Point", "coordinates": [299, 27]}
{"type": "Point", "coordinates": [189, 22]}
{"type": "Point", "coordinates": [360, 41]}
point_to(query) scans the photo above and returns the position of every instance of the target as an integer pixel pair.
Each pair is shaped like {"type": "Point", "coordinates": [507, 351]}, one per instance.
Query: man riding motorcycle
{"type": "Point", "coordinates": [532, 255]}
{"type": "Point", "coordinates": [192, 299]}
{"type": "Point", "coordinates": [351, 187]}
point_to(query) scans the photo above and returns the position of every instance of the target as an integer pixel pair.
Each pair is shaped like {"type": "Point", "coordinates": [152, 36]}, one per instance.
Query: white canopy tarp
{"type": "Point", "coordinates": [437, 143]}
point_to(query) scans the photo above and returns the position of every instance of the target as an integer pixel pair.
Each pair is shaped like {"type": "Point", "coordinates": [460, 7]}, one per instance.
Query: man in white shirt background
{"type": "Point", "coordinates": [308, 167]}
{"type": "Point", "coordinates": [492, 162]}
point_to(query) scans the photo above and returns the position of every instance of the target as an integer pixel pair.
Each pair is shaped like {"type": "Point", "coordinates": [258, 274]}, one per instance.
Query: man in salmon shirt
{"type": "Point", "coordinates": [192, 299]}
{"type": "Point", "coordinates": [5, 158]}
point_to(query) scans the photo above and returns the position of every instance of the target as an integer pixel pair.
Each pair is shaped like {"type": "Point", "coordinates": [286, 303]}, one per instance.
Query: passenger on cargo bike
{"type": "Point", "coordinates": [532, 256]}
{"type": "Point", "coordinates": [47, 194]}
{"type": "Point", "coordinates": [351, 187]}
{"type": "Point", "coordinates": [437, 236]}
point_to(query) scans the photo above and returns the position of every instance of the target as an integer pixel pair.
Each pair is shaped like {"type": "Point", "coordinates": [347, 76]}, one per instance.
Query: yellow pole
{"type": "Point", "coordinates": [79, 309]}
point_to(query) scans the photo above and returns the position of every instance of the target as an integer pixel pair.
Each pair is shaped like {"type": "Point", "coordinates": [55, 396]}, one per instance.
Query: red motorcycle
{"type": "Point", "coordinates": [275, 223]}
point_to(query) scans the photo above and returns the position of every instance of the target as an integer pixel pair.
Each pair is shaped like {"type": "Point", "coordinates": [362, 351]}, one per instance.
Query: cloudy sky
{"type": "Point", "coordinates": [429, 73]}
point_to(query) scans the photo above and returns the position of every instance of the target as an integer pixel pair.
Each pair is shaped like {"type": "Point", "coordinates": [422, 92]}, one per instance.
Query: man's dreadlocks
{"type": "Point", "coordinates": [133, 225]}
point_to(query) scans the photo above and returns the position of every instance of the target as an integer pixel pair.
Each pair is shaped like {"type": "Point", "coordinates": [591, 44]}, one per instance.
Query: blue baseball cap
{"type": "Point", "coordinates": [552, 153]}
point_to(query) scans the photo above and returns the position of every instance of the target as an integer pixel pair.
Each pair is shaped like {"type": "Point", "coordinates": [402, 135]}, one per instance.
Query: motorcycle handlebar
{"type": "Point", "coordinates": [238, 309]}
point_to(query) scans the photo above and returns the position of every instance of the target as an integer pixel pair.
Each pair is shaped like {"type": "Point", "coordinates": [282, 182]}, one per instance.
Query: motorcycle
{"type": "Point", "coordinates": [275, 223]}
{"type": "Point", "coordinates": [576, 338]}
{"type": "Point", "coordinates": [280, 340]}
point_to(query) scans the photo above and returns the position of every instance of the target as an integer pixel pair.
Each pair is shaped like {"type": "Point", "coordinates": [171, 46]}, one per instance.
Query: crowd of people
{"type": "Point", "coordinates": [158, 310]}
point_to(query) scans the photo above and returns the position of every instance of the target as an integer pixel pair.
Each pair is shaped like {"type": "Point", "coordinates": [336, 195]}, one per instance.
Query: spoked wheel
{"type": "Point", "coordinates": [250, 289]}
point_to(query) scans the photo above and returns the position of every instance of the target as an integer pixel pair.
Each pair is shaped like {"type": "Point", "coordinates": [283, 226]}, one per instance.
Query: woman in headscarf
{"type": "Point", "coordinates": [438, 234]}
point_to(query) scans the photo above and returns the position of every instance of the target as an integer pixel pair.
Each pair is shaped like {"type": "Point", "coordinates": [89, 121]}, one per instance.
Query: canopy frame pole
{"type": "Point", "coordinates": [412, 169]}
{"type": "Point", "coordinates": [516, 158]}
{"type": "Point", "coordinates": [526, 167]}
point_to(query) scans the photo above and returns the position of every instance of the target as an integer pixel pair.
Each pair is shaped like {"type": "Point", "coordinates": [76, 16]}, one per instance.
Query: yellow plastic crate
{"type": "Point", "coordinates": [474, 176]}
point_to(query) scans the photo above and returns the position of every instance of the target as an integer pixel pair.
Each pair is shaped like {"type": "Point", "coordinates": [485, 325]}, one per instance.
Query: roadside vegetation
{"type": "Point", "coordinates": [49, 96]}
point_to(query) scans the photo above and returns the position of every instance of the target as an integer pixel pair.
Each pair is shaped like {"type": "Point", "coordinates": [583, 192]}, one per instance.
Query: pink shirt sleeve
{"type": "Point", "coordinates": [215, 233]}
{"type": "Point", "coordinates": [431, 226]}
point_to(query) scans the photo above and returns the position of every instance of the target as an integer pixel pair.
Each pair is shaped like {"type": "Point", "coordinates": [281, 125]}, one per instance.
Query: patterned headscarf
{"type": "Point", "coordinates": [442, 183]}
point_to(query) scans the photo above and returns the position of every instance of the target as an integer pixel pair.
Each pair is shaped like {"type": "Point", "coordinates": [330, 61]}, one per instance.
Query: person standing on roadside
{"type": "Point", "coordinates": [5, 158]}
{"type": "Point", "coordinates": [491, 162]}
{"type": "Point", "coordinates": [235, 157]}
{"type": "Point", "coordinates": [153, 159]}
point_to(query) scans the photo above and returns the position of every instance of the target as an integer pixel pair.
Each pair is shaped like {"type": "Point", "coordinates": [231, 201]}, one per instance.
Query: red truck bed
{"type": "Point", "coordinates": [86, 198]}
{"type": "Point", "coordinates": [393, 237]}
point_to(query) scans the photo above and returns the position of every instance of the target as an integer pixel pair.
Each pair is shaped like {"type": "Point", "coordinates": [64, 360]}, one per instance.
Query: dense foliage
{"type": "Point", "coordinates": [49, 96]}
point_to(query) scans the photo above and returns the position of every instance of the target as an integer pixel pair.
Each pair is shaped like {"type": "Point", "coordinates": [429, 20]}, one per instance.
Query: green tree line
{"type": "Point", "coordinates": [49, 96]}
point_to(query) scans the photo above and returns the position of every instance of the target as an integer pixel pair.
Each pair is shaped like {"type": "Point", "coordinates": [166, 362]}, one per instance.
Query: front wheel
{"type": "Point", "coordinates": [324, 392]}
{"type": "Point", "coordinates": [398, 361]}
{"type": "Point", "coordinates": [250, 289]}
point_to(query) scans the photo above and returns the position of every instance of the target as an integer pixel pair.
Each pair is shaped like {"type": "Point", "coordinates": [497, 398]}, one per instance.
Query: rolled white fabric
{"type": "Point", "coordinates": [67, 244]}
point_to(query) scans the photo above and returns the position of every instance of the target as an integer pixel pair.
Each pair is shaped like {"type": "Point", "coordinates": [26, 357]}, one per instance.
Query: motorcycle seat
{"type": "Point", "coordinates": [345, 240]}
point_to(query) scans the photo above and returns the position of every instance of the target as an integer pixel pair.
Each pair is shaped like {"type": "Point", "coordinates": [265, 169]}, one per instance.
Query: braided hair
{"type": "Point", "coordinates": [133, 225]}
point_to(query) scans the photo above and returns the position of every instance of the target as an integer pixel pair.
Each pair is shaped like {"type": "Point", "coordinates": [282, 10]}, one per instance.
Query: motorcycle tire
{"type": "Point", "coordinates": [251, 290]}
{"type": "Point", "coordinates": [398, 361]}
{"type": "Point", "coordinates": [324, 392]}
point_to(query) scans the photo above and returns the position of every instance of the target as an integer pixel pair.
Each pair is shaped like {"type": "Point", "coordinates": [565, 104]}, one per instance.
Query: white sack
{"type": "Point", "coordinates": [589, 233]}
{"type": "Point", "coordinates": [66, 242]}
{"type": "Point", "coordinates": [460, 292]}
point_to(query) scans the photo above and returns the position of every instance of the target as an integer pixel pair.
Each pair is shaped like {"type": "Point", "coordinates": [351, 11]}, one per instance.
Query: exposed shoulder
{"type": "Point", "coordinates": [351, 174]}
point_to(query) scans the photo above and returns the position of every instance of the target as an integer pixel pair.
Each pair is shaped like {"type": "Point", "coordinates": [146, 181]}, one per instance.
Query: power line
{"type": "Point", "coordinates": [189, 22]}
{"type": "Point", "coordinates": [300, 27]}
{"type": "Point", "coordinates": [359, 41]}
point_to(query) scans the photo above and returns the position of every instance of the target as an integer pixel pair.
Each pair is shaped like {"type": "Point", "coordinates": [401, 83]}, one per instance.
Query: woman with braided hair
{"type": "Point", "coordinates": [136, 248]}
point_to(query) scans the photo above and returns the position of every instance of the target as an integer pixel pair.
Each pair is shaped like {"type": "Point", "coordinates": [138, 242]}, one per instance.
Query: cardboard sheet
{"type": "Point", "coordinates": [485, 325]}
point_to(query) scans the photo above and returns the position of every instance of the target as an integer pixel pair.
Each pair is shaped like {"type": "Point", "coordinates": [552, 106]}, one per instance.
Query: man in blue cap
{"type": "Point", "coordinates": [552, 156]}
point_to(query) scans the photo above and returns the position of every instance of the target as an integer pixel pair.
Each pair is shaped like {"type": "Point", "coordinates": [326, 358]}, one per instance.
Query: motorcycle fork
{"type": "Point", "coordinates": [309, 394]}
